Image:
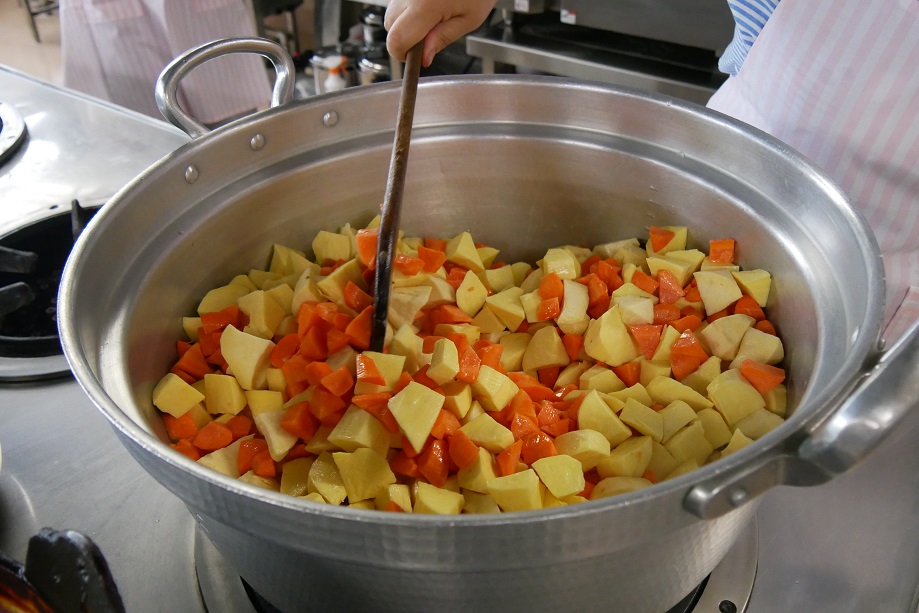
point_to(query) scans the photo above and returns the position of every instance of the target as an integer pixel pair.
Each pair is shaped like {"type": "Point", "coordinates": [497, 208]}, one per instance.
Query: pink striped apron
{"type": "Point", "coordinates": [838, 81]}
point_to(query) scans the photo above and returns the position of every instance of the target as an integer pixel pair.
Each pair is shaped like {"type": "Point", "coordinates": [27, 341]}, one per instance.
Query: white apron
{"type": "Point", "coordinates": [838, 80]}
{"type": "Point", "coordinates": [116, 49]}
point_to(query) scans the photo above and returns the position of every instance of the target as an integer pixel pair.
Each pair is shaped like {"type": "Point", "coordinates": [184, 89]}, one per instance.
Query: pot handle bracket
{"type": "Point", "coordinates": [167, 84]}
{"type": "Point", "coordinates": [885, 394]}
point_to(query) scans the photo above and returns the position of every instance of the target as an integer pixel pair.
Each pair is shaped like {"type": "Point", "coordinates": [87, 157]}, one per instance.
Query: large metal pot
{"type": "Point", "coordinates": [523, 163]}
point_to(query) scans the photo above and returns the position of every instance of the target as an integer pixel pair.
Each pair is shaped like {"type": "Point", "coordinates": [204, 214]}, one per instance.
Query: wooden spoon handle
{"type": "Point", "coordinates": [392, 199]}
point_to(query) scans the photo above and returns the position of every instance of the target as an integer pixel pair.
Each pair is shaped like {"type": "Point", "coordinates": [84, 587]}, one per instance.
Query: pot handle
{"type": "Point", "coordinates": [886, 393]}
{"type": "Point", "coordinates": [168, 82]}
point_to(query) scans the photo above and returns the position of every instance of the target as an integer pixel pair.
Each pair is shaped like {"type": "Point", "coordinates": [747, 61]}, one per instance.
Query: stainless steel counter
{"type": "Point", "coordinates": [851, 545]}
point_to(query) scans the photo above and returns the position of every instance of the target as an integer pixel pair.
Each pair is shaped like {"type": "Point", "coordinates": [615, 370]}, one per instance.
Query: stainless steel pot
{"type": "Point", "coordinates": [523, 163]}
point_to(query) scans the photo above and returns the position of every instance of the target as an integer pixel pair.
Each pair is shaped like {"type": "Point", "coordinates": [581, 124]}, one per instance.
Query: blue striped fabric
{"type": "Point", "coordinates": [749, 18]}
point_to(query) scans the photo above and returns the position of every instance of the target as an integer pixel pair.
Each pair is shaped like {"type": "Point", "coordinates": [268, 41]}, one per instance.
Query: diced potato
{"type": "Point", "coordinates": [595, 414]}
{"type": "Point", "coordinates": [600, 378]}
{"type": "Point", "coordinates": [261, 401]}
{"type": "Point", "coordinates": [686, 467]}
{"type": "Point", "coordinates": [430, 499]}
{"type": "Point", "coordinates": [561, 474]}
{"type": "Point", "coordinates": [222, 394]}
{"type": "Point", "coordinates": [760, 347]}
{"type": "Point", "coordinates": [487, 322]}
{"type": "Point", "coordinates": [717, 288]}
{"type": "Point", "coordinates": [331, 247]}
{"type": "Point", "coordinates": [562, 262]}
{"type": "Point", "coordinates": [285, 261]}
{"type": "Point", "coordinates": [644, 419]}
{"type": "Point", "coordinates": [408, 344]}
{"type": "Point", "coordinates": [457, 398]}
{"type": "Point", "coordinates": [635, 310]}
{"type": "Point", "coordinates": [357, 429]}
{"type": "Point", "coordinates": [571, 374]}
{"type": "Point", "coordinates": [471, 332]}
{"type": "Point", "coordinates": [333, 286]}
{"type": "Point", "coordinates": [662, 461]}
{"type": "Point", "coordinates": [677, 243]}
{"type": "Point", "coordinates": [754, 283]}
{"type": "Point", "coordinates": [668, 337]}
{"type": "Point", "coordinates": [461, 250]}
{"type": "Point", "coordinates": [637, 391]}
{"type": "Point", "coordinates": [586, 446]}
{"type": "Point", "coordinates": [320, 441]}
{"type": "Point", "coordinates": [517, 492]}
{"type": "Point", "coordinates": [722, 337]}
{"type": "Point", "coordinates": [613, 486]}
{"type": "Point", "coordinates": [690, 443]}
{"type": "Point", "coordinates": [716, 431]}
{"type": "Point", "coordinates": [776, 400]}
{"type": "Point", "coordinates": [515, 346]}
{"type": "Point", "coordinates": [759, 423]}
{"type": "Point", "coordinates": [738, 441]}
{"type": "Point", "coordinates": [629, 459]}
{"type": "Point", "coordinates": [493, 389]}
{"type": "Point", "coordinates": [545, 349]}
{"type": "Point", "coordinates": [573, 318]}
{"type": "Point", "coordinates": [608, 340]}
{"type": "Point", "coordinates": [444, 362]}
{"type": "Point", "coordinates": [475, 476]}
{"type": "Point", "coordinates": [222, 297]}
{"type": "Point", "coordinates": [397, 493]}
{"type": "Point", "coordinates": [264, 312]}
{"type": "Point", "coordinates": [279, 440]}
{"type": "Point", "coordinates": [665, 390]}
{"type": "Point", "coordinates": [247, 356]}
{"type": "Point", "coordinates": [416, 408]}
{"type": "Point", "coordinates": [485, 432]}
{"type": "Point", "coordinates": [390, 366]}
{"type": "Point", "coordinates": [244, 281]}
{"type": "Point", "coordinates": [266, 483]}
{"type": "Point", "coordinates": [651, 370]}
{"type": "Point", "coordinates": [499, 279]}
{"type": "Point", "coordinates": [471, 294]}
{"type": "Point", "coordinates": [191, 326]}
{"type": "Point", "coordinates": [325, 479]}
{"type": "Point", "coordinates": [441, 291]}
{"type": "Point", "coordinates": [295, 476]}
{"type": "Point", "coordinates": [405, 303]}
{"type": "Point", "coordinates": [676, 415]}
{"type": "Point", "coordinates": [700, 378]}
{"type": "Point", "coordinates": [507, 307]}
{"type": "Point", "coordinates": [364, 473]}
{"type": "Point", "coordinates": [734, 397]}
{"type": "Point", "coordinates": [478, 504]}
{"type": "Point", "coordinates": [174, 396]}
{"type": "Point", "coordinates": [226, 460]}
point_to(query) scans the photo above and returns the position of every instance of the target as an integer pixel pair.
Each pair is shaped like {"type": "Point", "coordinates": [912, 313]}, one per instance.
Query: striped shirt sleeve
{"type": "Point", "coordinates": [749, 18]}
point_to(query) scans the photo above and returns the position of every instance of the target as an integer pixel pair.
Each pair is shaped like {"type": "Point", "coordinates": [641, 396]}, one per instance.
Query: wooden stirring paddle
{"type": "Point", "coordinates": [392, 199]}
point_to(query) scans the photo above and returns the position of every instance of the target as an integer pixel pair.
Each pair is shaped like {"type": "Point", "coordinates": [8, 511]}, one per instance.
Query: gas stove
{"type": "Point", "coordinates": [850, 545]}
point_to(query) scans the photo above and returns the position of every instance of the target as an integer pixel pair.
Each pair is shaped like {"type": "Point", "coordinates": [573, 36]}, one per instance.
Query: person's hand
{"type": "Point", "coordinates": [438, 22]}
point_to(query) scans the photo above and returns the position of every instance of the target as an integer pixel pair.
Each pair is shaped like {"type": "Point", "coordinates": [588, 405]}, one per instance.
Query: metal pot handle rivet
{"type": "Point", "coordinates": [330, 119]}
{"type": "Point", "coordinates": [257, 142]}
{"type": "Point", "coordinates": [168, 82]}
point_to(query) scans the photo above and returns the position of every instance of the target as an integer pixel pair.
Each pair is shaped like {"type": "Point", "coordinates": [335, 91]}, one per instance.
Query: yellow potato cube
{"type": "Point", "coordinates": [248, 357]}
{"type": "Point", "coordinates": [777, 400]}
{"type": "Point", "coordinates": [637, 391]}
{"type": "Point", "coordinates": [608, 340]}
{"type": "Point", "coordinates": [408, 344]}
{"type": "Point", "coordinates": [471, 294]}
{"type": "Point", "coordinates": [264, 312]}
{"type": "Point", "coordinates": [690, 443]}
{"type": "Point", "coordinates": [479, 503]}
{"type": "Point", "coordinates": [461, 250]}
{"type": "Point", "coordinates": [357, 429]}
{"type": "Point", "coordinates": [545, 349]}
{"type": "Point", "coordinates": [331, 247]}
{"type": "Point", "coordinates": [493, 389]}
{"type": "Point", "coordinates": [485, 432]}
{"type": "Point", "coordinates": [444, 362]}
{"type": "Point", "coordinates": [754, 283]}
{"type": "Point", "coordinates": [333, 286]}
{"type": "Point", "coordinates": [222, 297]}
{"type": "Point", "coordinates": [398, 493]}
{"type": "Point", "coordinates": [676, 415]}
{"type": "Point", "coordinates": [191, 325]}
{"type": "Point", "coordinates": [320, 441]}
{"type": "Point", "coordinates": [174, 396]}
{"type": "Point", "coordinates": [668, 337]}
{"type": "Point", "coordinates": [760, 347]}
{"type": "Point", "coordinates": [405, 303]}
{"type": "Point", "coordinates": [517, 492]}
{"type": "Point", "coordinates": [515, 345]}
{"type": "Point", "coordinates": [222, 394]}
{"type": "Point", "coordinates": [738, 441]}
{"type": "Point", "coordinates": [644, 419]}
{"type": "Point", "coordinates": [562, 262]}
{"type": "Point", "coordinates": [325, 479]}
{"type": "Point", "coordinates": [415, 409]}
{"type": "Point", "coordinates": [686, 467]}
{"type": "Point", "coordinates": [364, 473]}
{"type": "Point", "coordinates": [651, 370]}
{"type": "Point", "coordinates": [279, 440]}
{"type": "Point", "coordinates": [700, 378]}
{"type": "Point", "coordinates": [662, 461]}
{"type": "Point", "coordinates": [759, 423]}
{"type": "Point", "coordinates": [561, 474]}
{"type": "Point", "coordinates": [629, 459]}
{"type": "Point", "coordinates": [266, 483]}
{"type": "Point", "coordinates": [499, 279]}
{"type": "Point", "coordinates": [716, 431]}
{"type": "Point", "coordinates": [722, 337]}
{"type": "Point", "coordinates": [430, 499]}
{"type": "Point", "coordinates": [595, 414]}
{"type": "Point", "coordinates": [571, 374]}
{"type": "Point", "coordinates": [262, 401]}
{"type": "Point", "coordinates": [457, 398]}
{"type": "Point", "coordinates": [226, 460]}
{"type": "Point", "coordinates": [613, 486]}
{"type": "Point", "coordinates": [635, 310]}
{"type": "Point", "coordinates": [295, 476]}
{"type": "Point", "coordinates": [475, 476]}
{"type": "Point", "coordinates": [717, 288]}
{"type": "Point", "coordinates": [677, 243]}
{"type": "Point", "coordinates": [588, 447]}
{"type": "Point", "coordinates": [487, 322]}
{"type": "Point", "coordinates": [507, 307]}
{"type": "Point", "coordinates": [390, 366]}
{"type": "Point", "coordinates": [665, 390]}
{"type": "Point", "coordinates": [573, 318]}
{"type": "Point", "coordinates": [734, 397]}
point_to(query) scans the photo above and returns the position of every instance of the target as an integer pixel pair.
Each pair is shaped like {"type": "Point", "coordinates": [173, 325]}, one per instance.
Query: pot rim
{"type": "Point", "coordinates": [818, 403]}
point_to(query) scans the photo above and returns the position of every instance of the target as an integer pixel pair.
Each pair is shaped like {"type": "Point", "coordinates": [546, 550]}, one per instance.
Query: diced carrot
{"type": "Point", "coordinates": [306, 317]}
{"type": "Point", "coordinates": [522, 426]}
{"type": "Point", "coordinates": [402, 464]}
{"type": "Point", "coordinates": [665, 313]}
{"type": "Point", "coordinates": [629, 373]}
{"type": "Point", "coordinates": [490, 354]}
{"type": "Point", "coordinates": [248, 449]}
{"type": "Point", "coordinates": [180, 427]}
{"type": "Point", "coordinates": [692, 293]}
{"type": "Point", "coordinates": [408, 265]}
{"type": "Point", "coordinates": [608, 271]}
{"type": "Point", "coordinates": [573, 344]}
{"type": "Point", "coordinates": [299, 421]}
{"type": "Point", "coordinates": [194, 363]}
{"type": "Point", "coordinates": [218, 320]}
{"type": "Point", "coordinates": [765, 326]}
{"type": "Point", "coordinates": [551, 286]}
{"type": "Point", "coordinates": [421, 376]}
{"type": "Point", "coordinates": [393, 507]}
{"type": "Point", "coordinates": [660, 237]}
{"type": "Point", "coordinates": [355, 298]}
{"type": "Point", "coordinates": [330, 420]}
{"type": "Point", "coordinates": [216, 359]}
{"type": "Point", "coordinates": [339, 381]}
{"type": "Point", "coordinates": [445, 424]}
{"type": "Point", "coordinates": [377, 405]}
{"type": "Point", "coordinates": [717, 315]}
{"type": "Point", "coordinates": [182, 347]}
{"type": "Point", "coordinates": [537, 446]}
{"type": "Point", "coordinates": [547, 414]}
{"type": "Point", "coordinates": [209, 341]}
{"type": "Point", "coordinates": [670, 289]}
{"type": "Point", "coordinates": [190, 379]}
{"type": "Point", "coordinates": [686, 355]}
{"type": "Point", "coordinates": [644, 281]}
{"type": "Point", "coordinates": [689, 322]}
{"type": "Point", "coordinates": [433, 463]}
{"type": "Point", "coordinates": [721, 251]}
{"type": "Point", "coordinates": [650, 476]}
{"type": "Point", "coordinates": [648, 337]}
{"type": "Point", "coordinates": [313, 345]}
{"type": "Point", "coordinates": [747, 305]}
{"type": "Point", "coordinates": [508, 459]}
{"type": "Point", "coordinates": [263, 465]}
{"type": "Point", "coordinates": [469, 363]}
{"type": "Point", "coordinates": [531, 386]}
{"type": "Point", "coordinates": [297, 451]}
{"type": "Point", "coordinates": [296, 370]}
{"type": "Point", "coordinates": [761, 376]}
{"type": "Point", "coordinates": [597, 290]}
{"type": "Point", "coordinates": [285, 348]}
{"type": "Point", "coordinates": [462, 450]}
{"type": "Point", "coordinates": [336, 340]}
{"type": "Point", "coordinates": [322, 403]}
{"type": "Point", "coordinates": [455, 276]}
{"type": "Point", "coordinates": [315, 371]}
{"type": "Point", "coordinates": [591, 264]}
{"type": "Point", "coordinates": [562, 426]}
{"type": "Point", "coordinates": [548, 309]}
{"type": "Point", "coordinates": [366, 241]}
{"type": "Point", "coordinates": [367, 371]}
{"type": "Point", "coordinates": [548, 375]}
{"type": "Point", "coordinates": [432, 258]}
{"type": "Point", "coordinates": [597, 310]}
{"type": "Point", "coordinates": [359, 329]}
{"type": "Point", "coordinates": [402, 383]}
{"type": "Point", "coordinates": [185, 447]}
{"type": "Point", "coordinates": [437, 244]}
{"type": "Point", "coordinates": [449, 314]}
{"type": "Point", "coordinates": [214, 435]}
{"type": "Point", "coordinates": [587, 491]}
{"type": "Point", "coordinates": [240, 426]}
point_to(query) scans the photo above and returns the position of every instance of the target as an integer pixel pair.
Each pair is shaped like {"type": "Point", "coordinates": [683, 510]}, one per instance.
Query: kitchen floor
{"type": "Point", "coordinates": [19, 49]}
